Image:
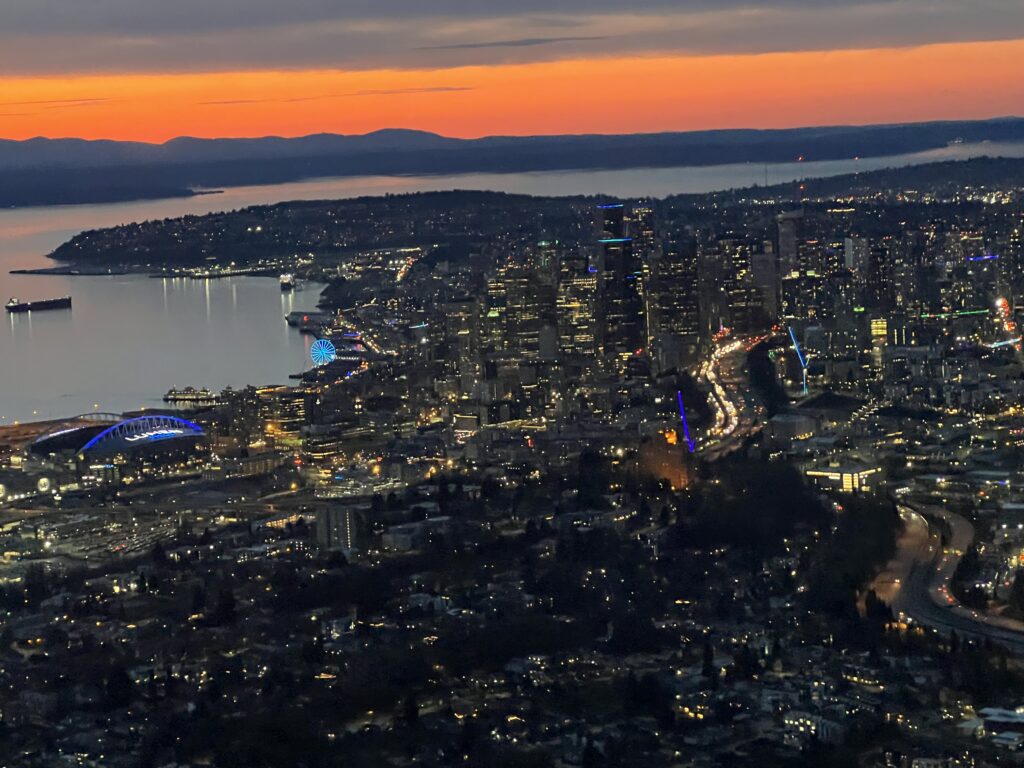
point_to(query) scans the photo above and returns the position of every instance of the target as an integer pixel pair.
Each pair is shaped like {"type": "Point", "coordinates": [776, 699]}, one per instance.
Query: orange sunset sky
{"type": "Point", "coordinates": [580, 85]}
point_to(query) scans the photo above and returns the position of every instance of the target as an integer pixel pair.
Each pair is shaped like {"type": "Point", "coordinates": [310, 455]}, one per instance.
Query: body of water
{"type": "Point", "coordinates": [129, 339]}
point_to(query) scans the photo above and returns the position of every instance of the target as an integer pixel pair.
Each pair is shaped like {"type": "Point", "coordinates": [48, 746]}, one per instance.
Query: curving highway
{"type": "Point", "coordinates": [916, 583]}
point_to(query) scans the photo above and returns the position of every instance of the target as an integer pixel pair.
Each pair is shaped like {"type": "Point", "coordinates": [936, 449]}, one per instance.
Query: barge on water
{"type": "Point", "coordinates": [38, 306]}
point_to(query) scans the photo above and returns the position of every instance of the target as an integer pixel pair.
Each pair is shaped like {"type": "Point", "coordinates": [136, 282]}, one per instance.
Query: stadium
{"type": "Point", "coordinates": [102, 449]}
{"type": "Point", "coordinates": [106, 436]}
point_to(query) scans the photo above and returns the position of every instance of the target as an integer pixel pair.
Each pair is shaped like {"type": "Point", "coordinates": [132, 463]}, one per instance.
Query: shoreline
{"type": "Point", "coordinates": [74, 271]}
{"type": "Point", "coordinates": [70, 270]}
{"type": "Point", "coordinates": [992, 148]}
{"type": "Point", "coordinates": [182, 194]}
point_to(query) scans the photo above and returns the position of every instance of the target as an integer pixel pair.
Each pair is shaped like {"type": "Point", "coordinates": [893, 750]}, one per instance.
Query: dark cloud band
{"type": "Point", "coordinates": [102, 36]}
{"type": "Point", "coordinates": [526, 42]}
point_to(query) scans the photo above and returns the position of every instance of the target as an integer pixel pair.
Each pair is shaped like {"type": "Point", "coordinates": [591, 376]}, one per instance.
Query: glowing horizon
{"type": "Point", "coordinates": [947, 81]}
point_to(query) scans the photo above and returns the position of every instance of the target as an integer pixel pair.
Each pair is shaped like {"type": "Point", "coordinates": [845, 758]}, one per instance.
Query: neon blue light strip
{"type": "Point", "coordinates": [799, 354]}
{"type": "Point", "coordinates": [989, 257]}
{"type": "Point", "coordinates": [196, 429]}
{"type": "Point", "coordinates": [609, 206]}
{"type": "Point", "coordinates": [1007, 343]}
{"type": "Point", "coordinates": [616, 240]}
{"type": "Point", "coordinates": [686, 427]}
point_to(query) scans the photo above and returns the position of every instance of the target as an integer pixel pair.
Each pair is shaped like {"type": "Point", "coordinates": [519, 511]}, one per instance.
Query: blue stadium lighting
{"type": "Point", "coordinates": [608, 240]}
{"type": "Point", "coordinates": [322, 352]}
{"type": "Point", "coordinates": [686, 427]}
{"type": "Point", "coordinates": [146, 429]}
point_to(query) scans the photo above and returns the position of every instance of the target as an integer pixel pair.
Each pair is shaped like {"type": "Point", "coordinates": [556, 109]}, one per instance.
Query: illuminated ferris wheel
{"type": "Point", "coordinates": [322, 352]}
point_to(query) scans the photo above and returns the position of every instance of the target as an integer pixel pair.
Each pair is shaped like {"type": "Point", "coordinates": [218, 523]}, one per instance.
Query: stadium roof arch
{"type": "Point", "coordinates": [141, 432]}
{"type": "Point", "coordinates": [71, 434]}
{"type": "Point", "coordinates": [79, 423]}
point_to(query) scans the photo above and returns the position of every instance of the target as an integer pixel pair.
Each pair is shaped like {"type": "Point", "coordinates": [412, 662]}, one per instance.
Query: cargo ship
{"type": "Point", "coordinates": [38, 306]}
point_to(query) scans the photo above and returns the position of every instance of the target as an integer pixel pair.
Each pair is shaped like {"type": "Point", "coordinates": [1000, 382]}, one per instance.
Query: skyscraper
{"type": "Point", "coordinates": [520, 301]}
{"type": "Point", "coordinates": [577, 310]}
{"type": "Point", "coordinates": [462, 342]}
{"type": "Point", "coordinates": [789, 238]}
{"type": "Point", "coordinates": [673, 301]}
{"type": "Point", "coordinates": [620, 272]}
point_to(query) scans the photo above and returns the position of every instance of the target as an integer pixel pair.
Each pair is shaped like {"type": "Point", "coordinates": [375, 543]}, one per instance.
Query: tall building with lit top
{"type": "Point", "coordinates": [620, 278]}
{"type": "Point", "coordinates": [493, 324]}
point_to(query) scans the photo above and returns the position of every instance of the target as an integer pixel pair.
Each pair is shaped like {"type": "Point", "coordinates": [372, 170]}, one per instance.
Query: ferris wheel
{"type": "Point", "coordinates": [322, 352]}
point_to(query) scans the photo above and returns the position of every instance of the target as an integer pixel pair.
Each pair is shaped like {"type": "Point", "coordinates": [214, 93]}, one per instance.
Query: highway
{"type": "Point", "coordinates": [916, 582]}
{"type": "Point", "coordinates": [737, 414]}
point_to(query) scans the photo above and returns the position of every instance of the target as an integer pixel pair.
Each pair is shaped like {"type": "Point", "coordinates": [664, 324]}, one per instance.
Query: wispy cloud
{"type": "Point", "coordinates": [51, 103]}
{"type": "Point", "coordinates": [60, 37]}
{"type": "Point", "coordinates": [376, 92]}
{"type": "Point", "coordinates": [524, 42]}
{"type": "Point", "coordinates": [406, 91]}
{"type": "Point", "coordinates": [290, 100]}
